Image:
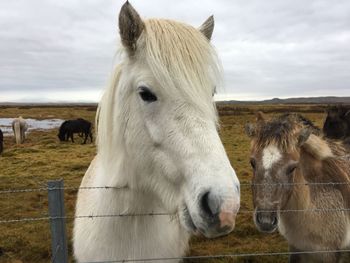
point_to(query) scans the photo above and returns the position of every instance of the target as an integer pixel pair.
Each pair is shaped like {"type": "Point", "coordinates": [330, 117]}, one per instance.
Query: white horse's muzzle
{"type": "Point", "coordinates": [214, 215]}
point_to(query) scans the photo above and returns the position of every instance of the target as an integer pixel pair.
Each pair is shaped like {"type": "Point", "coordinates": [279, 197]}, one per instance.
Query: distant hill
{"type": "Point", "coordinates": [301, 100]}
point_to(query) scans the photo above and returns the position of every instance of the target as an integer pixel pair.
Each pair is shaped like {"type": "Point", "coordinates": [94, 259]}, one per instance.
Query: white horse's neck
{"type": "Point", "coordinates": [130, 237]}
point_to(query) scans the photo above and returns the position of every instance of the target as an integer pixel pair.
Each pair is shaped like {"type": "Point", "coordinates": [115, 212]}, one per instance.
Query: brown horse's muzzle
{"type": "Point", "coordinates": [265, 220]}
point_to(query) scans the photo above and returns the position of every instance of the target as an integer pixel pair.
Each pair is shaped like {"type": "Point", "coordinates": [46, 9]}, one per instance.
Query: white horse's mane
{"type": "Point", "coordinates": [182, 60]}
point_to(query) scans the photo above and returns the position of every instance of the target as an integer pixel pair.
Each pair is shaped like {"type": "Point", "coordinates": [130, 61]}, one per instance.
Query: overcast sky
{"type": "Point", "coordinates": [65, 50]}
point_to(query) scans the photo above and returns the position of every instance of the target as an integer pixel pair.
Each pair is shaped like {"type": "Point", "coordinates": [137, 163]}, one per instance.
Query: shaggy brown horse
{"type": "Point", "coordinates": [292, 165]}
{"type": "Point", "coordinates": [337, 123]}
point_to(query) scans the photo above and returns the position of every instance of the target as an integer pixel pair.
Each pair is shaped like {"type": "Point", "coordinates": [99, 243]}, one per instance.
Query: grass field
{"type": "Point", "coordinates": [42, 157]}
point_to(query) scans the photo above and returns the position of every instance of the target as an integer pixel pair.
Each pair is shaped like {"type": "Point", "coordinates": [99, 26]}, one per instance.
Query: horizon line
{"type": "Point", "coordinates": [220, 99]}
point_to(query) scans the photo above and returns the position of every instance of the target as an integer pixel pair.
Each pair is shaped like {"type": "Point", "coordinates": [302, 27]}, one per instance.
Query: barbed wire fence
{"type": "Point", "coordinates": [57, 219]}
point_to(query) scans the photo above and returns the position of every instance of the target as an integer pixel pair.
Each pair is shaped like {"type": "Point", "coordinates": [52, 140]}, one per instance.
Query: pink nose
{"type": "Point", "coordinates": [228, 212]}
{"type": "Point", "coordinates": [227, 219]}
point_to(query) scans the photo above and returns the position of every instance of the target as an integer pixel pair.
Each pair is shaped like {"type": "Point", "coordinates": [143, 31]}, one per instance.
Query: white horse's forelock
{"type": "Point", "coordinates": [182, 59]}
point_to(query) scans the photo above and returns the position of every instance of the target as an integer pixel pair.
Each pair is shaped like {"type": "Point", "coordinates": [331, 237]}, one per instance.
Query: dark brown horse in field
{"type": "Point", "coordinates": [80, 126]}
{"type": "Point", "coordinates": [292, 164]}
{"type": "Point", "coordinates": [337, 123]}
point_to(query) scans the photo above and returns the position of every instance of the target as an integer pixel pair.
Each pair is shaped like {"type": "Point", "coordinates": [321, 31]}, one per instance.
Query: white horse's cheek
{"type": "Point", "coordinates": [154, 129]}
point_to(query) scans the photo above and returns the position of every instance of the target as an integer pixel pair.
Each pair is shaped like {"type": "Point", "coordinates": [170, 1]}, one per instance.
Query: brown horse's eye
{"type": "Point", "coordinates": [291, 169]}
{"type": "Point", "coordinates": [253, 163]}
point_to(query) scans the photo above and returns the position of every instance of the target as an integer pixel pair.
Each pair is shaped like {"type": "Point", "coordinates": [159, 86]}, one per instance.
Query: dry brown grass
{"type": "Point", "coordinates": [42, 158]}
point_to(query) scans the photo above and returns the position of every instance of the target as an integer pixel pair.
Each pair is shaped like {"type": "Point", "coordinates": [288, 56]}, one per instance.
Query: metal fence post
{"type": "Point", "coordinates": [57, 222]}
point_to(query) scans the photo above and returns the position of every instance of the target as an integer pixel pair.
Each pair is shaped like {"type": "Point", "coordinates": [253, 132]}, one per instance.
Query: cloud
{"type": "Point", "coordinates": [60, 50]}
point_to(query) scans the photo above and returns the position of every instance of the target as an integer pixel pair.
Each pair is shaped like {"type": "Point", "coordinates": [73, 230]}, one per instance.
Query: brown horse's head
{"type": "Point", "coordinates": [337, 123]}
{"type": "Point", "coordinates": [275, 154]}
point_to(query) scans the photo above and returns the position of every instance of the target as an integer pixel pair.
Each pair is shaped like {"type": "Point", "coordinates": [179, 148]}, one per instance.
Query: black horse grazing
{"type": "Point", "coordinates": [337, 123]}
{"type": "Point", "coordinates": [68, 128]}
{"type": "Point", "coordinates": [1, 141]}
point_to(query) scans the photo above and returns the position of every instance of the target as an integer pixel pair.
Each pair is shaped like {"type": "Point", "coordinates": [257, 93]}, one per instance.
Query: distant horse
{"type": "Point", "coordinates": [337, 123]}
{"type": "Point", "coordinates": [19, 127]}
{"type": "Point", "coordinates": [287, 152]}
{"type": "Point", "coordinates": [158, 143]}
{"type": "Point", "coordinates": [80, 126]}
{"type": "Point", "coordinates": [1, 141]}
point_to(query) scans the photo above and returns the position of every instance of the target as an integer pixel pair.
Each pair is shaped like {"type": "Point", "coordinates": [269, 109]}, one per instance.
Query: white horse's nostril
{"type": "Point", "coordinates": [208, 205]}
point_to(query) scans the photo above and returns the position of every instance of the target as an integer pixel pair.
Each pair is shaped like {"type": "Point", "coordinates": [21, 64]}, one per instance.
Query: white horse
{"type": "Point", "coordinates": [19, 127]}
{"type": "Point", "coordinates": [158, 143]}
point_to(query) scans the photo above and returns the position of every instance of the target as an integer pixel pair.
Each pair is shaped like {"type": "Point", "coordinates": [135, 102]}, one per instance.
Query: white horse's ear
{"type": "Point", "coordinates": [207, 27]}
{"type": "Point", "coordinates": [250, 129]}
{"type": "Point", "coordinates": [130, 27]}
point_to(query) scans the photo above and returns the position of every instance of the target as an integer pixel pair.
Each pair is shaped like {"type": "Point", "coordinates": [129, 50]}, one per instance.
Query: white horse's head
{"type": "Point", "coordinates": [158, 120]}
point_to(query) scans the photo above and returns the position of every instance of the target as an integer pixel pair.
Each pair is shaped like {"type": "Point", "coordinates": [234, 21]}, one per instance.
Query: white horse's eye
{"type": "Point", "coordinates": [147, 95]}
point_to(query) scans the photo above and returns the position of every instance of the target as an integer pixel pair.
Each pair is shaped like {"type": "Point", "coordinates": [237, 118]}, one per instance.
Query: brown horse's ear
{"type": "Point", "coordinates": [207, 27]}
{"type": "Point", "coordinates": [250, 129]}
{"type": "Point", "coordinates": [260, 117]}
{"type": "Point", "coordinates": [130, 27]}
{"type": "Point", "coordinates": [303, 136]}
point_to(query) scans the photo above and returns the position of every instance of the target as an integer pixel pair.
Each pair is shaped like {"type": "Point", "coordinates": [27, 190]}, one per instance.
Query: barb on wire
{"type": "Point", "coordinates": [30, 219]}
{"type": "Point", "coordinates": [259, 254]}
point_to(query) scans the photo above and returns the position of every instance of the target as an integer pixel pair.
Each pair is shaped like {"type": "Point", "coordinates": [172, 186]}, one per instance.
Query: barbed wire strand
{"type": "Point", "coordinates": [41, 189]}
{"type": "Point", "coordinates": [264, 254]}
{"type": "Point", "coordinates": [29, 219]}
{"type": "Point", "coordinates": [33, 219]}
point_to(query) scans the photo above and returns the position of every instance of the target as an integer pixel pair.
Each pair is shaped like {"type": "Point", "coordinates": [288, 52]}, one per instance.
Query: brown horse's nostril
{"type": "Point", "coordinates": [258, 218]}
{"type": "Point", "coordinates": [274, 221]}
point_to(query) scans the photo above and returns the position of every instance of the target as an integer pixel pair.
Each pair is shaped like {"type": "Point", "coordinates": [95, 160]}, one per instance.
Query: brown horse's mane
{"type": "Point", "coordinates": [282, 130]}
{"type": "Point", "coordinates": [335, 160]}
